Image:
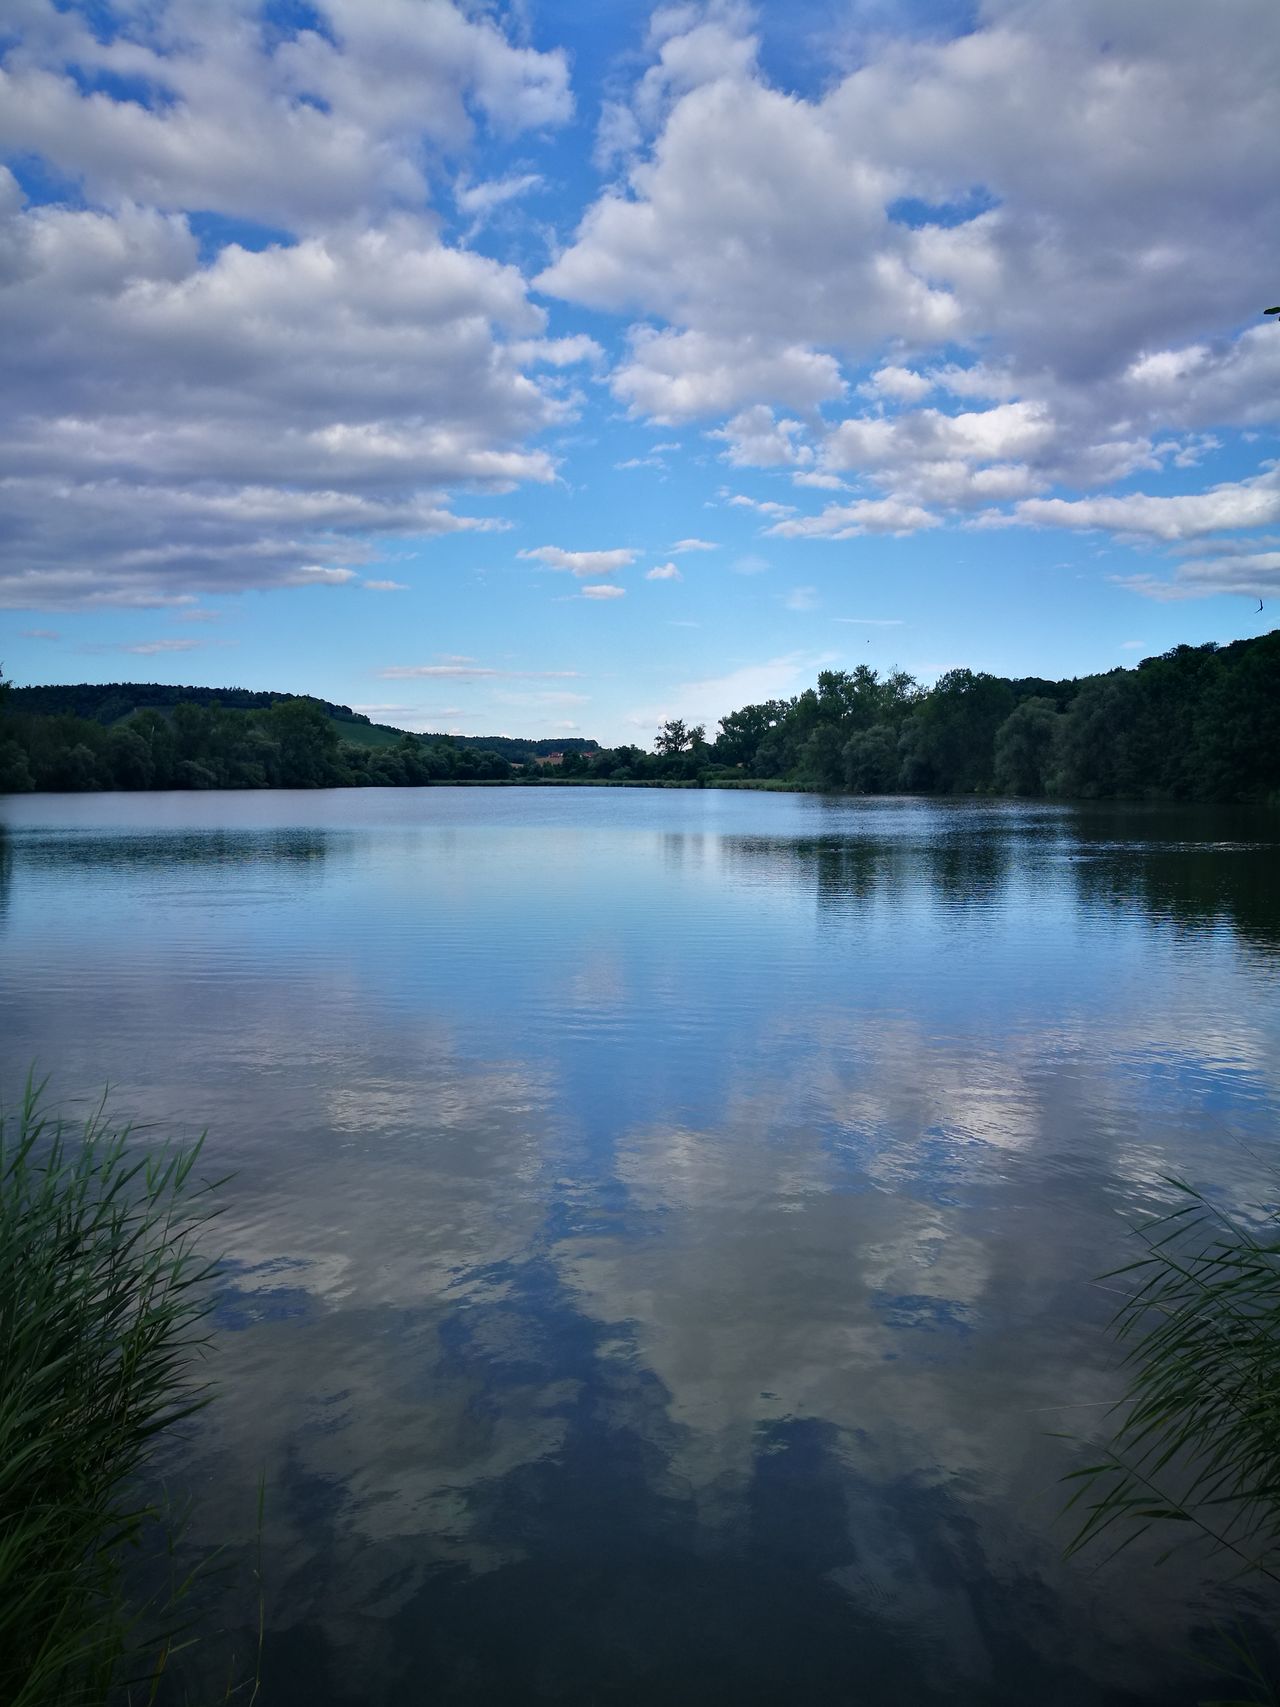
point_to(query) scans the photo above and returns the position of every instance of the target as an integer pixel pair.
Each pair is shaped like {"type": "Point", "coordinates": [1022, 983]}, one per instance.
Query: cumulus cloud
{"type": "Point", "coordinates": [758, 439]}
{"type": "Point", "coordinates": [663, 572]}
{"type": "Point", "coordinates": [324, 123]}
{"type": "Point", "coordinates": [178, 420]}
{"type": "Point", "coordinates": [682, 545]}
{"type": "Point", "coordinates": [900, 383]}
{"type": "Point", "coordinates": [172, 424]}
{"type": "Point", "coordinates": [604, 591]}
{"type": "Point", "coordinates": [672, 377]}
{"type": "Point", "coordinates": [582, 562]}
{"type": "Point", "coordinates": [1044, 193]}
{"type": "Point", "coordinates": [978, 456]}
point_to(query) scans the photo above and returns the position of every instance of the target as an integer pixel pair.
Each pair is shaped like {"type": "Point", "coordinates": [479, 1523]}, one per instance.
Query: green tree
{"type": "Point", "coordinates": [953, 733]}
{"type": "Point", "coordinates": [822, 757]}
{"type": "Point", "coordinates": [308, 743]}
{"type": "Point", "coordinates": [871, 760]}
{"type": "Point", "coordinates": [1024, 748]}
{"type": "Point", "coordinates": [15, 772]}
{"type": "Point", "coordinates": [1092, 760]}
{"type": "Point", "coordinates": [741, 732]}
{"type": "Point", "coordinates": [129, 758]}
{"type": "Point", "coordinates": [675, 737]}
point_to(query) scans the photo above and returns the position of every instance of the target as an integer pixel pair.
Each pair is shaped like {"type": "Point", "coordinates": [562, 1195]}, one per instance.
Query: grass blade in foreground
{"type": "Point", "coordinates": [102, 1294]}
{"type": "Point", "coordinates": [1197, 1449]}
{"type": "Point", "coordinates": [1198, 1445]}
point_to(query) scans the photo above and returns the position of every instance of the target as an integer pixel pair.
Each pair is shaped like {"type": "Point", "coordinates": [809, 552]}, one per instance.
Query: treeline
{"type": "Point", "coordinates": [1197, 723]}
{"type": "Point", "coordinates": [109, 703]}
{"type": "Point", "coordinates": [292, 743]}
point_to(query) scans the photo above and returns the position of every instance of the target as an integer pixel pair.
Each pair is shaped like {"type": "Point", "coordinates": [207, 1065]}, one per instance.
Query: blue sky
{"type": "Point", "coordinates": [555, 369]}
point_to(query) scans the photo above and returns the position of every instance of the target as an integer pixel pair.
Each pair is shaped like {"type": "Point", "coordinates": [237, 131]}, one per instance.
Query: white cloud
{"type": "Point", "coordinates": [1254, 575]}
{"type": "Point", "coordinates": [802, 599]}
{"type": "Point", "coordinates": [170, 425]}
{"type": "Point", "coordinates": [173, 421]}
{"type": "Point", "coordinates": [582, 562]}
{"type": "Point", "coordinates": [556, 352]}
{"type": "Point", "coordinates": [757, 439]}
{"type": "Point", "coordinates": [1070, 237]}
{"type": "Point", "coordinates": [864, 515]}
{"type": "Point", "coordinates": [155, 648]}
{"type": "Point", "coordinates": [682, 545]}
{"type": "Point", "coordinates": [985, 435]}
{"type": "Point", "coordinates": [672, 377]}
{"type": "Point", "coordinates": [751, 219]}
{"type": "Point", "coordinates": [903, 384]}
{"type": "Point", "coordinates": [467, 670]}
{"type": "Point", "coordinates": [482, 200]}
{"type": "Point", "coordinates": [707, 700]}
{"type": "Point", "coordinates": [386, 586]}
{"type": "Point", "coordinates": [604, 591]}
{"type": "Point", "coordinates": [318, 575]}
{"type": "Point", "coordinates": [315, 128]}
{"type": "Point", "coordinates": [980, 456]}
{"type": "Point", "coordinates": [663, 572]}
{"type": "Point", "coordinates": [1234, 504]}
{"type": "Point", "coordinates": [825, 482]}
{"type": "Point", "coordinates": [765, 506]}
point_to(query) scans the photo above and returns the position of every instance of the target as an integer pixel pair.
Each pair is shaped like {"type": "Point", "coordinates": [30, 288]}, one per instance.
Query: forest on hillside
{"type": "Point", "coordinates": [1195, 723]}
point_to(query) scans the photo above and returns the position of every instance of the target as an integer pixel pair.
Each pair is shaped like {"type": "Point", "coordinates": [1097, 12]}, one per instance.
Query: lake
{"type": "Point", "coordinates": [661, 1251]}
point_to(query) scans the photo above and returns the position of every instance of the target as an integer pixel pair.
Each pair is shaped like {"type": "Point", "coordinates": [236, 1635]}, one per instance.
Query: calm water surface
{"type": "Point", "coordinates": [661, 1244]}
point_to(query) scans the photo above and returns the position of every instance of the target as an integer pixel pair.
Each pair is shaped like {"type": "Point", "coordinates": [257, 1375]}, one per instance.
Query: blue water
{"type": "Point", "coordinates": [660, 1256]}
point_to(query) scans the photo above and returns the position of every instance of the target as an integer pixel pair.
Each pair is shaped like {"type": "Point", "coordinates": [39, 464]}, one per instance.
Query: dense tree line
{"type": "Point", "coordinates": [1196, 723]}
{"type": "Point", "coordinates": [109, 703]}
{"type": "Point", "coordinates": [292, 743]}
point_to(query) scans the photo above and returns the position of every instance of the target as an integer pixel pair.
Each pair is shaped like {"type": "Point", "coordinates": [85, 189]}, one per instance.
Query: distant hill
{"type": "Point", "coordinates": [108, 703]}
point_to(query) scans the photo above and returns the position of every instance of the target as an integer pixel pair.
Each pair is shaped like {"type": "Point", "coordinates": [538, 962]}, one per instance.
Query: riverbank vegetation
{"type": "Point", "coordinates": [103, 1293]}
{"type": "Point", "coordinates": [1194, 1456]}
{"type": "Point", "coordinates": [1196, 723]}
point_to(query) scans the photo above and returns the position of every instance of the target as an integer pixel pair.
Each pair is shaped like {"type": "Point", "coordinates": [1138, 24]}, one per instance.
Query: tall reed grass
{"type": "Point", "coordinates": [1197, 1445]}
{"type": "Point", "coordinates": [1195, 1454]}
{"type": "Point", "coordinates": [103, 1294]}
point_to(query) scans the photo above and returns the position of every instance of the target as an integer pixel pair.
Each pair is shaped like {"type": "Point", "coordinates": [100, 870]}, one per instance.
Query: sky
{"type": "Point", "coordinates": [554, 368]}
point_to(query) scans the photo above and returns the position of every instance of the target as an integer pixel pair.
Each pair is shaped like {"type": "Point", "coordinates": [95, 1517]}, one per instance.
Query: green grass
{"type": "Point", "coordinates": [103, 1295]}
{"type": "Point", "coordinates": [1195, 1452]}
